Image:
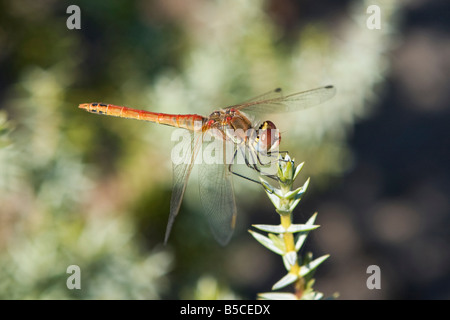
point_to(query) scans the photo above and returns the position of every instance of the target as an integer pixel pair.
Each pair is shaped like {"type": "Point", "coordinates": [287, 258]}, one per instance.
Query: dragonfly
{"type": "Point", "coordinates": [233, 126]}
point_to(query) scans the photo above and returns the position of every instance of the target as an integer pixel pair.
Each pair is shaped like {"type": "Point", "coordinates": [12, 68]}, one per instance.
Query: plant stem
{"type": "Point", "coordinates": [290, 247]}
{"type": "Point", "coordinates": [299, 287]}
{"type": "Point", "coordinates": [281, 238]}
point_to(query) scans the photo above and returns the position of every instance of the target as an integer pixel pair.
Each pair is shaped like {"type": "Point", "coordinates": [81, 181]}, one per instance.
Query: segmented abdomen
{"type": "Point", "coordinates": [189, 121]}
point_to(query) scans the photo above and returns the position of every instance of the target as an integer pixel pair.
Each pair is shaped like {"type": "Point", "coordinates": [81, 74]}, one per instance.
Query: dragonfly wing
{"type": "Point", "coordinates": [216, 193]}
{"type": "Point", "coordinates": [183, 156]}
{"type": "Point", "coordinates": [272, 94]}
{"type": "Point", "coordinates": [276, 102]}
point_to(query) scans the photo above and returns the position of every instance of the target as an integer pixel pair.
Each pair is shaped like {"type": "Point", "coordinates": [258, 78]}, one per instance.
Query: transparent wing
{"type": "Point", "coordinates": [183, 156]}
{"type": "Point", "coordinates": [272, 94]}
{"type": "Point", "coordinates": [216, 189]}
{"type": "Point", "coordinates": [276, 102]}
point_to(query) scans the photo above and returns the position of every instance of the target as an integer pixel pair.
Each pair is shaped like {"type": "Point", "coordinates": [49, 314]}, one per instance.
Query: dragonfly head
{"type": "Point", "coordinates": [268, 138]}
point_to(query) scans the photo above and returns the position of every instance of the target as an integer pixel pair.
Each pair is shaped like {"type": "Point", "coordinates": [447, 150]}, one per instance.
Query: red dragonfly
{"type": "Point", "coordinates": [232, 126]}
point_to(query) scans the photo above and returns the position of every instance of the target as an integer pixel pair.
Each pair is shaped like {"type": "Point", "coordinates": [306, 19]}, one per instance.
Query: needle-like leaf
{"type": "Point", "coordinates": [270, 228]}
{"type": "Point", "coordinates": [266, 242]}
{"type": "Point", "coordinates": [277, 296]}
{"type": "Point", "coordinates": [304, 270]}
{"type": "Point", "coordinates": [302, 237]}
{"type": "Point", "coordinates": [289, 259]}
{"type": "Point", "coordinates": [293, 228]}
{"type": "Point", "coordinates": [286, 280]}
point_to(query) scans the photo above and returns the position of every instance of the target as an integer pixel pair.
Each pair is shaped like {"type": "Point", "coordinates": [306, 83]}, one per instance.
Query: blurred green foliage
{"type": "Point", "coordinates": [94, 191]}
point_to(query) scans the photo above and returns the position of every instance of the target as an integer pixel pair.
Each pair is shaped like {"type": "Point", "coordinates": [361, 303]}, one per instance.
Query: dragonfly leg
{"type": "Point", "coordinates": [248, 165]}
{"type": "Point", "coordinates": [271, 176]}
{"type": "Point", "coordinates": [283, 152]}
{"type": "Point", "coordinates": [252, 166]}
{"type": "Point", "coordinates": [256, 167]}
{"type": "Point", "coordinates": [242, 176]}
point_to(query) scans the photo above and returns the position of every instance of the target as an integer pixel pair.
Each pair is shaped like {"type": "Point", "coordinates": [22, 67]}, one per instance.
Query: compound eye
{"type": "Point", "coordinates": [267, 125]}
{"type": "Point", "coordinates": [268, 137]}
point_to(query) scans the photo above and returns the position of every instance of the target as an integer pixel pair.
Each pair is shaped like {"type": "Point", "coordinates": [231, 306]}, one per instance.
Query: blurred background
{"type": "Point", "coordinates": [76, 188]}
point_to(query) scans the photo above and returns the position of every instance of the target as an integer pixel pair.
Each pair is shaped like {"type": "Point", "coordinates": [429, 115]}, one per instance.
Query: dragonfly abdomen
{"type": "Point", "coordinates": [191, 122]}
